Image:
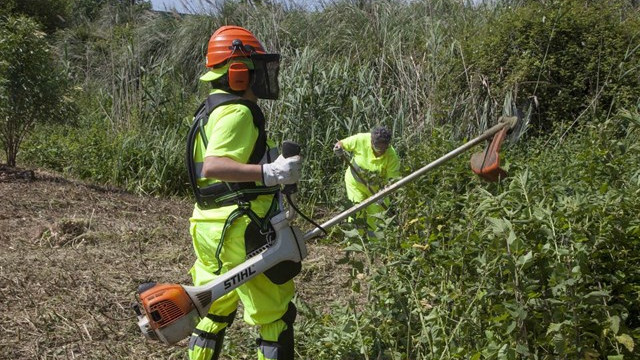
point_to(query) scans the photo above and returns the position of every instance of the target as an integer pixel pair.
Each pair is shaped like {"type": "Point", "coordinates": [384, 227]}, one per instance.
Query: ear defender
{"type": "Point", "coordinates": [238, 76]}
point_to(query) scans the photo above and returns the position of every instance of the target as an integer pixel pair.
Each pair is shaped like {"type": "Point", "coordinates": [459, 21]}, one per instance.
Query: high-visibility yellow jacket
{"type": "Point", "coordinates": [231, 134]}
{"type": "Point", "coordinates": [384, 167]}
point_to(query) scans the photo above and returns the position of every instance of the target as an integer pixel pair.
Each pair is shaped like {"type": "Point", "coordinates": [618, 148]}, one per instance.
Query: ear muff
{"type": "Point", "coordinates": [238, 74]}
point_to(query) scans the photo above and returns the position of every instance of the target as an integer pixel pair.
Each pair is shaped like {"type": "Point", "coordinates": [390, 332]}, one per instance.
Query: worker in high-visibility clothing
{"type": "Point", "coordinates": [373, 163]}
{"type": "Point", "coordinates": [242, 172]}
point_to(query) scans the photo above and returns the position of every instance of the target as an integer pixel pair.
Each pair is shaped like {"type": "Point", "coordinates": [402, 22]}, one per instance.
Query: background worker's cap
{"type": "Point", "coordinates": [217, 72]}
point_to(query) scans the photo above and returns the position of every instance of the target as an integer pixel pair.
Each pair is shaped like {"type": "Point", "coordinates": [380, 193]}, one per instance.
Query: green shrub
{"type": "Point", "coordinates": [33, 90]}
{"type": "Point", "coordinates": [569, 58]}
{"type": "Point", "coordinates": [49, 14]}
{"type": "Point", "coordinates": [541, 265]}
{"type": "Point", "coordinates": [149, 161]}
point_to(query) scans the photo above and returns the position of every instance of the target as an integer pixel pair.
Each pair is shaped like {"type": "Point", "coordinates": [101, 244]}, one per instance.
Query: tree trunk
{"type": "Point", "coordinates": [12, 153]}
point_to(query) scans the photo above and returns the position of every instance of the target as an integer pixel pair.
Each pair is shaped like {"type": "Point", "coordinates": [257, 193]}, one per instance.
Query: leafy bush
{"type": "Point", "coordinates": [49, 14]}
{"type": "Point", "coordinates": [150, 162]}
{"type": "Point", "coordinates": [542, 265]}
{"type": "Point", "coordinates": [32, 88]}
{"type": "Point", "coordinates": [570, 58]}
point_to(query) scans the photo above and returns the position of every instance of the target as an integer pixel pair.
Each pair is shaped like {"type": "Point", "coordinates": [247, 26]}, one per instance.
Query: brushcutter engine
{"type": "Point", "coordinates": [169, 315]}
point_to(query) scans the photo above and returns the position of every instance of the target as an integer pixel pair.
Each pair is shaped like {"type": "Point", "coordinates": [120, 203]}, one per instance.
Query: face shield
{"type": "Point", "coordinates": [265, 75]}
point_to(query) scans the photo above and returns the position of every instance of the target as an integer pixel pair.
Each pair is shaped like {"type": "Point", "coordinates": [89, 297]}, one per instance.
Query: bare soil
{"type": "Point", "coordinates": [72, 255]}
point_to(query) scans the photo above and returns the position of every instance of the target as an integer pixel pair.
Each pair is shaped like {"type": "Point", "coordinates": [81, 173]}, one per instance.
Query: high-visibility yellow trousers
{"type": "Point", "coordinates": [357, 192]}
{"type": "Point", "coordinates": [264, 302]}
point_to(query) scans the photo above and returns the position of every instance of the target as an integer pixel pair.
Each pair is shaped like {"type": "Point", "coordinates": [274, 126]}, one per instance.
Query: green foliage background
{"type": "Point", "coordinates": [542, 265]}
{"type": "Point", "coordinates": [32, 86]}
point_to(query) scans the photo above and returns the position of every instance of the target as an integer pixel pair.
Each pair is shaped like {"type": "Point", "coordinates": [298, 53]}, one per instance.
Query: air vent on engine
{"type": "Point", "coordinates": [167, 310]}
{"type": "Point", "coordinates": [204, 298]}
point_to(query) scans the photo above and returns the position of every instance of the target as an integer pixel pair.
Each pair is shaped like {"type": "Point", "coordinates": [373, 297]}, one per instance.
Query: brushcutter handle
{"type": "Point", "coordinates": [290, 148]}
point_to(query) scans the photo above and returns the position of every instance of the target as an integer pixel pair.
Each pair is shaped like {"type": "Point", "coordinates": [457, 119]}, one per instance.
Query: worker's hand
{"type": "Point", "coordinates": [337, 148]}
{"type": "Point", "coordinates": [282, 171]}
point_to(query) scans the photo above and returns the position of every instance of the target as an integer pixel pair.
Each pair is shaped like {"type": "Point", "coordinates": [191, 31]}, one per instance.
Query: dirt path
{"type": "Point", "coordinates": [72, 255]}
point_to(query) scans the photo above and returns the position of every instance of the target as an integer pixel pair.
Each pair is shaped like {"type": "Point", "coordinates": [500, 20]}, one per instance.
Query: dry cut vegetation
{"type": "Point", "coordinates": [73, 254]}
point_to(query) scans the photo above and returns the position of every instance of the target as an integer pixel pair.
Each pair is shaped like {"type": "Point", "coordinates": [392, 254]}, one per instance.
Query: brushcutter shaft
{"type": "Point", "coordinates": [509, 121]}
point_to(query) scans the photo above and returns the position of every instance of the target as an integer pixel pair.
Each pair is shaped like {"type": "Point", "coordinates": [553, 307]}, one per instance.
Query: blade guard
{"type": "Point", "coordinates": [486, 164]}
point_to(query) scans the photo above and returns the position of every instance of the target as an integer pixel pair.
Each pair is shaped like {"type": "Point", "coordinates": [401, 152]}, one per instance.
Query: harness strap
{"type": "Point", "coordinates": [215, 100]}
{"type": "Point", "coordinates": [245, 209]}
{"type": "Point", "coordinates": [356, 171]}
{"type": "Point", "coordinates": [225, 193]}
{"type": "Point", "coordinates": [240, 211]}
{"type": "Point", "coordinates": [223, 319]}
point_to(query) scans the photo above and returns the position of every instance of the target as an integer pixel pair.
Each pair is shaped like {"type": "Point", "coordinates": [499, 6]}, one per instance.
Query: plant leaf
{"type": "Point", "coordinates": [615, 324]}
{"type": "Point", "coordinates": [627, 341]}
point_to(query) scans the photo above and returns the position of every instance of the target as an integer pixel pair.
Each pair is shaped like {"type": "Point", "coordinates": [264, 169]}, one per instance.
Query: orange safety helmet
{"type": "Point", "coordinates": [223, 45]}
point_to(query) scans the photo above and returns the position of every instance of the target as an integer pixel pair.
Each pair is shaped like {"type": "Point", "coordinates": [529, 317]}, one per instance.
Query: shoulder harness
{"type": "Point", "coordinates": [225, 193]}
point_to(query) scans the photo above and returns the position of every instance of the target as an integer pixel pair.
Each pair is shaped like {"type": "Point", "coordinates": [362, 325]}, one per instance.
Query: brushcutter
{"type": "Point", "coordinates": [170, 312]}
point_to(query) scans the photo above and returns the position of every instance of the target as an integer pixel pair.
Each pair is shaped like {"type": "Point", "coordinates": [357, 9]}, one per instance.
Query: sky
{"type": "Point", "coordinates": [182, 6]}
{"type": "Point", "coordinates": [201, 6]}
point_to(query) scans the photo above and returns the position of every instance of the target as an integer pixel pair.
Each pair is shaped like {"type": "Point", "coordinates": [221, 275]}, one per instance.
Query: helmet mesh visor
{"type": "Point", "coordinates": [266, 69]}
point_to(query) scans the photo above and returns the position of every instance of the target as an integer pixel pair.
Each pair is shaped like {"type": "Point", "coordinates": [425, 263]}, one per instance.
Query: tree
{"type": "Point", "coordinates": [51, 14]}
{"type": "Point", "coordinates": [32, 89]}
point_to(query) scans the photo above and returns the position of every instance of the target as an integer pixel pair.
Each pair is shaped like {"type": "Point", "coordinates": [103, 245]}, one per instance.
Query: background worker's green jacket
{"type": "Point", "coordinates": [385, 167]}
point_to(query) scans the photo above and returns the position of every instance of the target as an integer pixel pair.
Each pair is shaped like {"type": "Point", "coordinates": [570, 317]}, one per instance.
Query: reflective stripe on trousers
{"type": "Point", "coordinates": [201, 341]}
{"type": "Point", "coordinates": [205, 345]}
{"type": "Point", "coordinates": [268, 351]}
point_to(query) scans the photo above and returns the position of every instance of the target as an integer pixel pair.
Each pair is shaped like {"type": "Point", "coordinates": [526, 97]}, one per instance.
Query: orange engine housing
{"type": "Point", "coordinates": [165, 303]}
